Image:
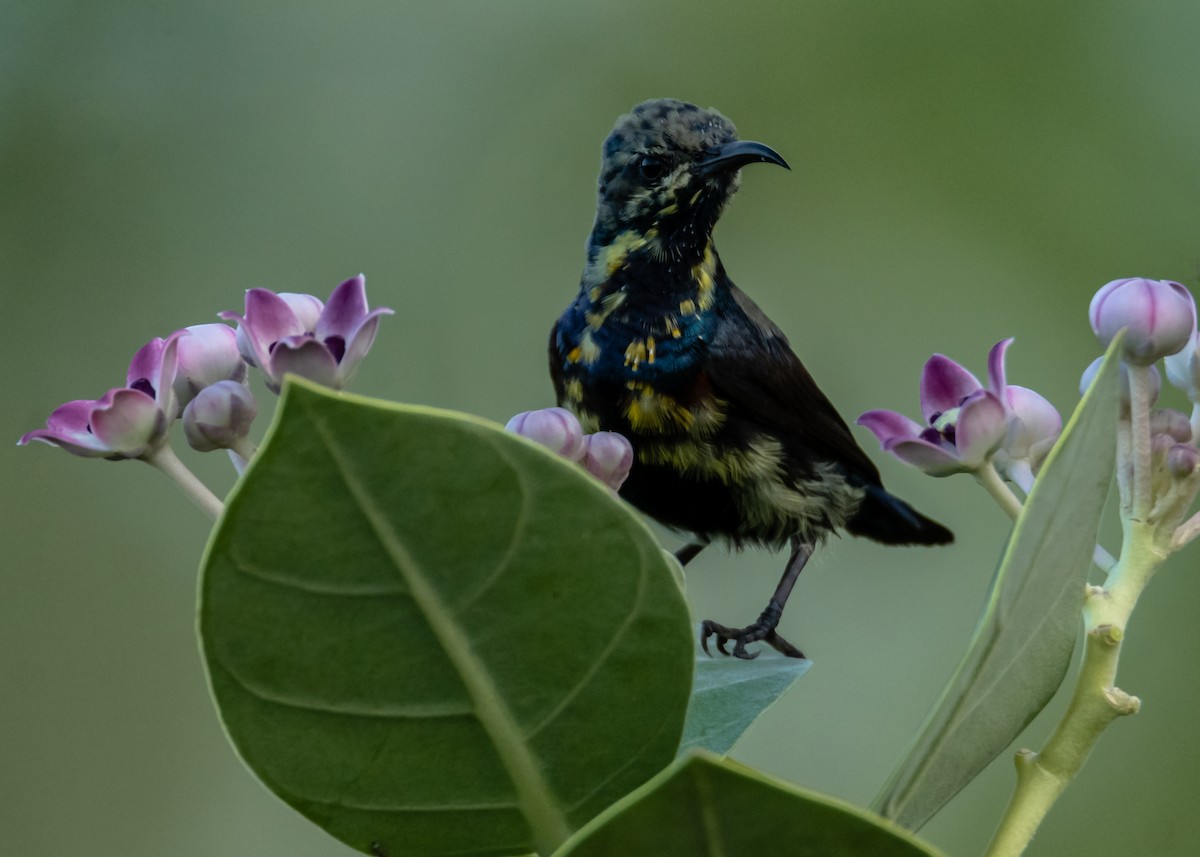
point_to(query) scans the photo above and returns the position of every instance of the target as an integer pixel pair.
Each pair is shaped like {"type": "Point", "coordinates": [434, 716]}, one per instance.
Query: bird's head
{"type": "Point", "coordinates": [669, 168]}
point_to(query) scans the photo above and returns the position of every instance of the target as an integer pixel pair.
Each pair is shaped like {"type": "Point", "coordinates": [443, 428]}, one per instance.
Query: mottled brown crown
{"type": "Point", "coordinates": [678, 135]}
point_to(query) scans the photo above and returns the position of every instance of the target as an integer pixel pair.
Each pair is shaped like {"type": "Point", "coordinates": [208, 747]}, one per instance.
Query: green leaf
{"type": "Point", "coordinates": [729, 694]}
{"type": "Point", "coordinates": [427, 633]}
{"type": "Point", "coordinates": [1026, 635]}
{"type": "Point", "coordinates": [703, 805]}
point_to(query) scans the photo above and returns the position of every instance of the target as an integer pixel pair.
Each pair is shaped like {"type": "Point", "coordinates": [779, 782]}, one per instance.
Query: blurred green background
{"type": "Point", "coordinates": [962, 172]}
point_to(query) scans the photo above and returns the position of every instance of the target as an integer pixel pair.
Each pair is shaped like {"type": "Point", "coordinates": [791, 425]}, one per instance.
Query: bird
{"type": "Point", "coordinates": [733, 440]}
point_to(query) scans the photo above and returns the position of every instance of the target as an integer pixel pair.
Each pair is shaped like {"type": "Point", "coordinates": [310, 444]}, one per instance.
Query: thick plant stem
{"type": "Point", "coordinates": [165, 459]}
{"type": "Point", "coordinates": [1095, 702]}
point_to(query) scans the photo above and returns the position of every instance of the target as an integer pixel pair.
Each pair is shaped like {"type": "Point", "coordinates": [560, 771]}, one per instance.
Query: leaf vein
{"type": "Point", "coordinates": [536, 798]}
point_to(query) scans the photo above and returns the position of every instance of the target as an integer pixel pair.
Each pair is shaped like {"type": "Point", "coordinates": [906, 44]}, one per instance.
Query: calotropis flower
{"type": "Point", "coordinates": [965, 423]}
{"type": "Point", "coordinates": [126, 422]}
{"type": "Point", "coordinates": [282, 333]}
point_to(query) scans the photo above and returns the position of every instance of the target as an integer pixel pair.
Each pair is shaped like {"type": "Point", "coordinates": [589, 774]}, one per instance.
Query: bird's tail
{"type": "Point", "coordinates": [888, 519]}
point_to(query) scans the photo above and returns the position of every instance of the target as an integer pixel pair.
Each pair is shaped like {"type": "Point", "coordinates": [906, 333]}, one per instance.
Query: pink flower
{"type": "Point", "coordinates": [966, 423]}
{"type": "Point", "coordinates": [126, 422]}
{"type": "Point", "coordinates": [282, 333]}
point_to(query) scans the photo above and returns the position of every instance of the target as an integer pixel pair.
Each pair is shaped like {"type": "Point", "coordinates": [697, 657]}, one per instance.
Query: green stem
{"type": "Point", "coordinates": [165, 459]}
{"type": "Point", "coordinates": [1095, 702]}
{"type": "Point", "coordinates": [1001, 493]}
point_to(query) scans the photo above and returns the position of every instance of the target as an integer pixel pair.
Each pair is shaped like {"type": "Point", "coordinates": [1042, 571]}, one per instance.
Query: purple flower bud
{"type": "Point", "coordinates": [219, 416]}
{"type": "Point", "coordinates": [296, 333]}
{"type": "Point", "coordinates": [1089, 375]}
{"type": "Point", "coordinates": [1182, 460]}
{"type": "Point", "coordinates": [1170, 423]}
{"type": "Point", "coordinates": [608, 456]}
{"type": "Point", "coordinates": [206, 354]}
{"type": "Point", "coordinates": [554, 428]}
{"type": "Point", "coordinates": [1160, 316]}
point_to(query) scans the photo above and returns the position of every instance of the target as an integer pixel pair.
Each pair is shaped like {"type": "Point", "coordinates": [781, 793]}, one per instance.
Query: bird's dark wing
{"type": "Point", "coordinates": [751, 365]}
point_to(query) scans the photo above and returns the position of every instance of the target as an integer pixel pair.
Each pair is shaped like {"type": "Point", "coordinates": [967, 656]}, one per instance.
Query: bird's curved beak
{"type": "Point", "coordinates": [730, 156]}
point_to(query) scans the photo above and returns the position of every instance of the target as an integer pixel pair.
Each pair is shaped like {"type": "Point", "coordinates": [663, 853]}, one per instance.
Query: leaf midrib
{"type": "Point", "coordinates": [534, 796]}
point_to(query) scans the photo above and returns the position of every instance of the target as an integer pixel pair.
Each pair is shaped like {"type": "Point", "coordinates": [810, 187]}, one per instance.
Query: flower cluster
{"type": "Point", "coordinates": [606, 455]}
{"type": "Point", "coordinates": [1003, 430]}
{"type": "Point", "coordinates": [198, 375]}
{"type": "Point", "coordinates": [1158, 471]}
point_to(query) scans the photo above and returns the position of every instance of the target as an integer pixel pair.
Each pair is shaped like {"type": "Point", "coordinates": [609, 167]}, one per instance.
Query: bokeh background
{"type": "Point", "coordinates": [962, 172]}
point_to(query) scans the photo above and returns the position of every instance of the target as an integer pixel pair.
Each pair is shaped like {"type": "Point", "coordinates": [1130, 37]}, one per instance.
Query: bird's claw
{"type": "Point", "coordinates": [760, 631]}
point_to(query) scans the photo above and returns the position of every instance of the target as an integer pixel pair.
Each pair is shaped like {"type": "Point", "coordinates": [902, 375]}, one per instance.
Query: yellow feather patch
{"type": "Point", "coordinates": [574, 390]}
{"type": "Point", "coordinates": [616, 253]}
{"type": "Point", "coordinates": [589, 422]}
{"type": "Point", "coordinates": [608, 305]}
{"type": "Point", "coordinates": [635, 354]}
{"type": "Point", "coordinates": [703, 273]}
{"type": "Point", "coordinates": [648, 410]}
{"type": "Point", "coordinates": [588, 349]}
{"type": "Point", "coordinates": [574, 354]}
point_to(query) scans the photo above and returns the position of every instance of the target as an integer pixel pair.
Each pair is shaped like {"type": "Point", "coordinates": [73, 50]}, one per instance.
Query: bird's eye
{"type": "Point", "coordinates": [651, 168]}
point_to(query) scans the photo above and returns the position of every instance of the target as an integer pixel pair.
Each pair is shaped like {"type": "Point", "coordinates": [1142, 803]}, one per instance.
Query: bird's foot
{"type": "Point", "coordinates": [763, 630]}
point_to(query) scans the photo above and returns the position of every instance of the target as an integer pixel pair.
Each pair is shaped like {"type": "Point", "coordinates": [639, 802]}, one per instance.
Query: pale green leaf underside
{"type": "Point", "coordinates": [1025, 638]}
{"type": "Point", "coordinates": [426, 633]}
{"type": "Point", "coordinates": [729, 694]}
{"type": "Point", "coordinates": [704, 806]}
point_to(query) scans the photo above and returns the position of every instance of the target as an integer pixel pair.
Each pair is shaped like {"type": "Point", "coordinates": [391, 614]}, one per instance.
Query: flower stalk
{"type": "Point", "coordinates": [165, 459]}
{"type": "Point", "coordinates": [989, 478]}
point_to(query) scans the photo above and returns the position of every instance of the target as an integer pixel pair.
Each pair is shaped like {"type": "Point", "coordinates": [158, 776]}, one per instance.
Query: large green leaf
{"type": "Point", "coordinates": [729, 694]}
{"type": "Point", "coordinates": [704, 806]}
{"type": "Point", "coordinates": [429, 634]}
{"type": "Point", "coordinates": [1026, 635]}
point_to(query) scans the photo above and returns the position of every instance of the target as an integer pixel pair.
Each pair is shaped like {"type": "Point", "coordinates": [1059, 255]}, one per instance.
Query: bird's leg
{"type": "Point", "coordinates": [688, 552]}
{"type": "Point", "coordinates": [764, 627]}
